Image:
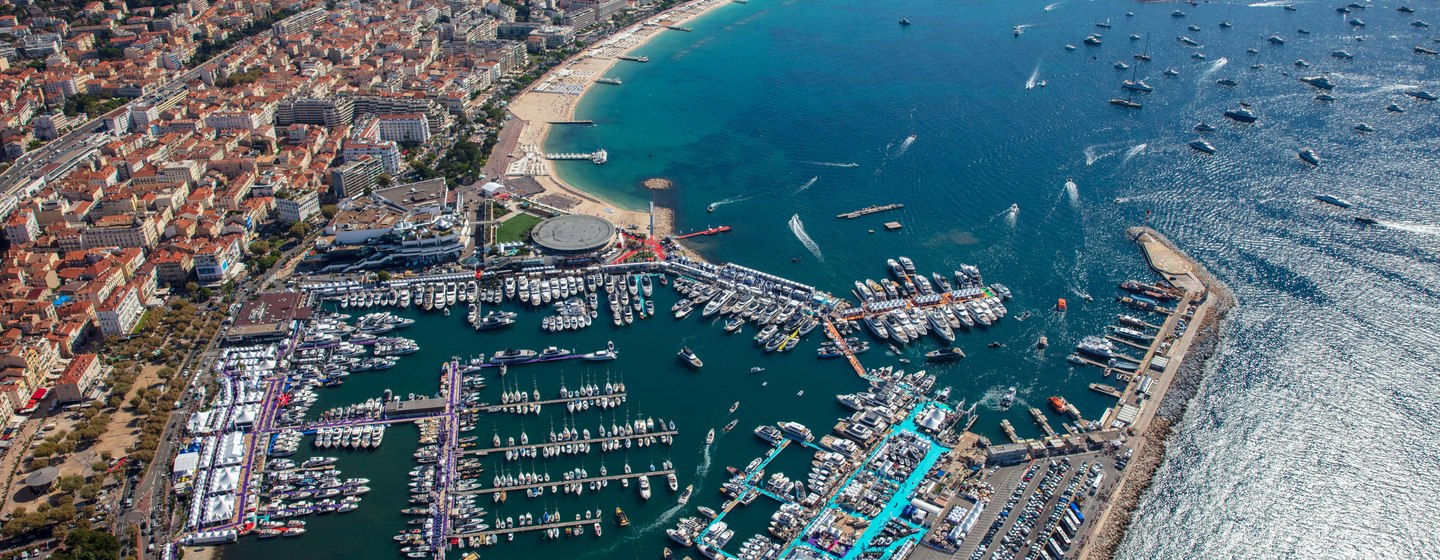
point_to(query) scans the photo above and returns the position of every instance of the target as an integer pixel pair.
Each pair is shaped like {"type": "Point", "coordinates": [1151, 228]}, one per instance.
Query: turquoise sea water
{"type": "Point", "coordinates": [1300, 441]}
{"type": "Point", "coordinates": [1308, 439]}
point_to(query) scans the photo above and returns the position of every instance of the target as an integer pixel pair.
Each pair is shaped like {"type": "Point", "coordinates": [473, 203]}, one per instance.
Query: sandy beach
{"type": "Point", "coordinates": [553, 98]}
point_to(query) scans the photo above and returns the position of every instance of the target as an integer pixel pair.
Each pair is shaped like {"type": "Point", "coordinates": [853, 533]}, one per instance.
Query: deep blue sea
{"type": "Point", "coordinates": [1313, 435]}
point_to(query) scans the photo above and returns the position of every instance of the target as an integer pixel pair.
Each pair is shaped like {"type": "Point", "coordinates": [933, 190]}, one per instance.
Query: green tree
{"type": "Point", "coordinates": [329, 210]}
{"type": "Point", "coordinates": [89, 544]}
{"type": "Point", "coordinates": [299, 230]}
{"type": "Point", "coordinates": [384, 180]}
{"type": "Point", "coordinates": [383, 276]}
{"type": "Point", "coordinates": [192, 286]}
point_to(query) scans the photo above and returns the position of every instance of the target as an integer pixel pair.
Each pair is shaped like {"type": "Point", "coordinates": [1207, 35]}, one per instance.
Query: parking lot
{"type": "Point", "coordinates": [1031, 503]}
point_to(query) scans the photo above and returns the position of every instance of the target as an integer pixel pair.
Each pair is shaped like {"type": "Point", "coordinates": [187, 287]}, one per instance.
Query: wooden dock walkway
{"type": "Point", "coordinates": [502, 449]}
{"type": "Point", "coordinates": [523, 487]}
{"type": "Point", "coordinates": [1009, 431]}
{"type": "Point", "coordinates": [503, 407]}
{"type": "Point", "coordinates": [1041, 421]}
{"type": "Point", "coordinates": [840, 342]}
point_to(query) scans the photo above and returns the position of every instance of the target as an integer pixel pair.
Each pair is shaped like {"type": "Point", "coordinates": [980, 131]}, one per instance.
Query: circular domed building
{"type": "Point", "coordinates": [573, 234]}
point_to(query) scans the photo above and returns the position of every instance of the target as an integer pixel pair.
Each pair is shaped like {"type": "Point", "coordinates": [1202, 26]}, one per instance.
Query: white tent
{"type": "Point", "coordinates": [218, 509]}
{"type": "Point", "coordinates": [231, 449]}
{"type": "Point", "coordinates": [225, 480]}
{"type": "Point", "coordinates": [185, 464]}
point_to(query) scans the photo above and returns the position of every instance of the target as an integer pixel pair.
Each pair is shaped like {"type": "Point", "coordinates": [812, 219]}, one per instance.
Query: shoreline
{"type": "Point", "coordinates": [534, 109]}
{"type": "Point", "coordinates": [1112, 525]}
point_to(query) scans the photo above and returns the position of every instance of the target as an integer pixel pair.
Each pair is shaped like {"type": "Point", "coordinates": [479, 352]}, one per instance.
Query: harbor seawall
{"type": "Point", "coordinates": [1138, 478]}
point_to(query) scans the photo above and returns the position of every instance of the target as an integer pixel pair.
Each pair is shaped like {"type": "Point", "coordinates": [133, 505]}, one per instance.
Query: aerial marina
{"type": "Point", "coordinates": [882, 481]}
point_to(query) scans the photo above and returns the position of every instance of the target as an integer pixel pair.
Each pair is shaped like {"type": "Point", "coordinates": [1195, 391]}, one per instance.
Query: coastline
{"type": "Point", "coordinates": [535, 108]}
{"type": "Point", "coordinates": [1114, 521]}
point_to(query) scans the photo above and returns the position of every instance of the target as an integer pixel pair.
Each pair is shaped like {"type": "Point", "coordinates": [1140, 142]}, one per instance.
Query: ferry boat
{"type": "Point", "coordinates": [689, 357]}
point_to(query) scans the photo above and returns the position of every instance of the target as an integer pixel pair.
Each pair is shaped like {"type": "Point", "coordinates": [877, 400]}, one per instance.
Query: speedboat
{"type": "Point", "coordinates": [1309, 156]}
{"type": "Point", "coordinates": [1204, 127]}
{"type": "Point", "coordinates": [1008, 400]}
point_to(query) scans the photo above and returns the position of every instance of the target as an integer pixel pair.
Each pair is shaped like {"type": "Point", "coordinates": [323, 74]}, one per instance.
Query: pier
{"type": "Point", "coordinates": [868, 210]}
{"type": "Point", "coordinates": [584, 122]}
{"type": "Point", "coordinates": [633, 58]}
{"type": "Point", "coordinates": [1106, 389]}
{"type": "Point", "coordinates": [1127, 342]}
{"type": "Point", "coordinates": [711, 231]}
{"type": "Point", "coordinates": [1009, 431]}
{"type": "Point", "coordinates": [571, 356]}
{"type": "Point", "coordinates": [502, 449]}
{"type": "Point", "coordinates": [570, 156]}
{"type": "Point", "coordinates": [519, 487]}
{"type": "Point", "coordinates": [524, 528]}
{"type": "Point", "coordinates": [1040, 421]}
{"type": "Point", "coordinates": [839, 341]}
{"type": "Point", "coordinates": [679, 28]}
{"type": "Point", "coordinates": [506, 407]}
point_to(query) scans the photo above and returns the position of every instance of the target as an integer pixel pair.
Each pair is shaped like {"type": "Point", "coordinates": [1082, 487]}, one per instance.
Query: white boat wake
{"type": "Point", "coordinates": [1055, 5]}
{"type": "Point", "coordinates": [1134, 151]}
{"type": "Point", "coordinates": [703, 469]}
{"type": "Point", "coordinates": [1272, 4]}
{"type": "Point", "coordinates": [731, 200]}
{"type": "Point", "coordinates": [1215, 66]}
{"type": "Point", "coordinates": [1034, 77]}
{"type": "Point", "coordinates": [831, 164]}
{"type": "Point", "coordinates": [1423, 229]}
{"type": "Point", "coordinates": [905, 146]}
{"type": "Point", "coordinates": [807, 184]}
{"type": "Point", "coordinates": [1011, 214]}
{"type": "Point", "coordinates": [798, 228]}
{"type": "Point", "coordinates": [1072, 190]}
{"type": "Point", "coordinates": [1093, 153]}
